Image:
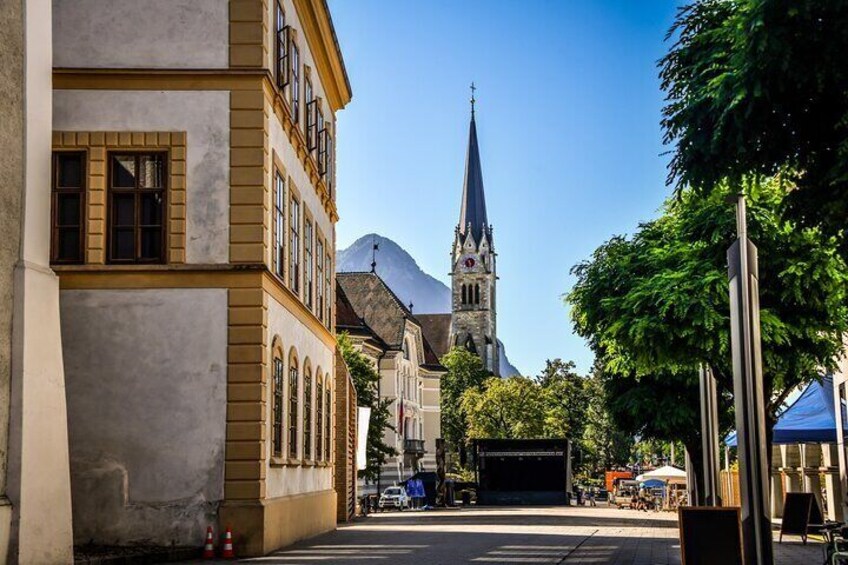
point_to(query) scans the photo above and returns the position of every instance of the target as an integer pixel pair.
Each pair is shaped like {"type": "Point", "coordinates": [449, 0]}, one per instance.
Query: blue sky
{"type": "Point", "coordinates": [568, 121]}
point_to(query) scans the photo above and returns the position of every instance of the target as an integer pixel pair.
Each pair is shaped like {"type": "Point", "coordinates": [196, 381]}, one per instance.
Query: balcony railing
{"type": "Point", "coordinates": [413, 446]}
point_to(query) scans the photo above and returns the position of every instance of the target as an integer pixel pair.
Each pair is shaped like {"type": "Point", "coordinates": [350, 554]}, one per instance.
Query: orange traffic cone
{"type": "Point", "coordinates": [209, 548]}
{"type": "Point", "coordinates": [227, 552]}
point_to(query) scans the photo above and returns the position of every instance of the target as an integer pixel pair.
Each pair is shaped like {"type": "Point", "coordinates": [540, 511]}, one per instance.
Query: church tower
{"type": "Point", "coordinates": [473, 319]}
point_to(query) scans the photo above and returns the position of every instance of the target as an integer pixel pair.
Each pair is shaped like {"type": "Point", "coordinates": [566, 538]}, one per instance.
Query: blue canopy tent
{"type": "Point", "coordinates": [810, 419]}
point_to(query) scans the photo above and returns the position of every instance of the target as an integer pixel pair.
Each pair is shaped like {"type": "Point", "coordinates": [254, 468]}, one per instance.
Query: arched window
{"type": "Point", "coordinates": [278, 384]}
{"type": "Point", "coordinates": [476, 294]}
{"type": "Point", "coordinates": [328, 409]}
{"type": "Point", "coordinates": [405, 349]}
{"type": "Point", "coordinates": [293, 400]}
{"type": "Point", "coordinates": [307, 414]}
{"type": "Point", "coordinates": [464, 295]}
{"type": "Point", "coordinates": [319, 419]}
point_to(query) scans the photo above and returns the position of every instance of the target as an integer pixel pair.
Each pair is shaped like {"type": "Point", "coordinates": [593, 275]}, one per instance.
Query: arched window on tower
{"type": "Point", "coordinates": [476, 294]}
{"type": "Point", "coordinates": [464, 295]}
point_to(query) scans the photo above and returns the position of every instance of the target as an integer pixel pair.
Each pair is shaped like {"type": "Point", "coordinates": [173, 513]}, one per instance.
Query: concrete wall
{"type": "Point", "coordinates": [184, 34]}
{"type": "Point", "coordinates": [204, 116]}
{"type": "Point", "coordinates": [293, 480]}
{"type": "Point", "coordinates": [146, 381]}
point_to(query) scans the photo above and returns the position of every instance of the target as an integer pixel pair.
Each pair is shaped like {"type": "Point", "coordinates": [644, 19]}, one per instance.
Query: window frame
{"type": "Point", "coordinates": [309, 263]}
{"type": "Point", "coordinates": [281, 47]}
{"type": "Point", "coordinates": [321, 127]}
{"type": "Point", "coordinates": [56, 192]}
{"type": "Point", "coordinates": [294, 79]}
{"type": "Point", "coordinates": [328, 414]}
{"type": "Point", "coordinates": [294, 244]}
{"type": "Point", "coordinates": [137, 191]}
{"type": "Point", "coordinates": [307, 413]}
{"type": "Point", "coordinates": [319, 418]}
{"type": "Point", "coordinates": [278, 409]}
{"type": "Point", "coordinates": [328, 286]}
{"type": "Point", "coordinates": [294, 402]}
{"type": "Point", "coordinates": [310, 103]}
{"type": "Point", "coordinates": [319, 277]}
{"type": "Point", "coordinates": [280, 223]}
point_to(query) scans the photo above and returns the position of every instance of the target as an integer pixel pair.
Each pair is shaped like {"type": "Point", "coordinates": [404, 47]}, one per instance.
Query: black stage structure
{"type": "Point", "coordinates": [522, 471]}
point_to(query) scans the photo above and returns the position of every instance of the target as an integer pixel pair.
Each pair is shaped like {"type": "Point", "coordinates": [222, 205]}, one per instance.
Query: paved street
{"type": "Point", "coordinates": [568, 535]}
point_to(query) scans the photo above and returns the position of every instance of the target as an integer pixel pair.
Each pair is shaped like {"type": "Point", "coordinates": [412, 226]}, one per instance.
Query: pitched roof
{"type": "Point", "coordinates": [473, 209]}
{"type": "Point", "coordinates": [376, 305]}
{"type": "Point", "coordinates": [436, 330]}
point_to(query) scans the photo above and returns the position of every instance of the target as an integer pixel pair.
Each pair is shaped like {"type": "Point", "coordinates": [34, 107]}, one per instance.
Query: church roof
{"type": "Point", "coordinates": [473, 209]}
{"type": "Point", "coordinates": [436, 330]}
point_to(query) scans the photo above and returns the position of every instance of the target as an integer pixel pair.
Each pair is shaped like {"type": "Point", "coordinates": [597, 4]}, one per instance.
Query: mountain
{"type": "Point", "coordinates": [406, 279]}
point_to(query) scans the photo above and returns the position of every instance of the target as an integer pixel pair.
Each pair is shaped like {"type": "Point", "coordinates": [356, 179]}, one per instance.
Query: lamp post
{"type": "Point", "coordinates": [748, 394]}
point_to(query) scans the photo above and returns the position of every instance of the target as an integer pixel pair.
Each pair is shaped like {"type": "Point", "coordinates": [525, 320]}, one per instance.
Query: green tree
{"type": "Point", "coordinates": [509, 408]}
{"type": "Point", "coordinates": [758, 87]}
{"type": "Point", "coordinates": [565, 398]}
{"type": "Point", "coordinates": [604, 444]}
{"type": "Point", "coordinates": [655, 306]}
{"type": "Point", "coordinates": [465, 371]}
{"type": "Point", "coordinates": [365, 381]}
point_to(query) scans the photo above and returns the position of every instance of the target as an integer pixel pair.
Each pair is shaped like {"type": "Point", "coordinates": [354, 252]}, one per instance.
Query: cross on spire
{"type": "Point", "coordinates": [473, 100]}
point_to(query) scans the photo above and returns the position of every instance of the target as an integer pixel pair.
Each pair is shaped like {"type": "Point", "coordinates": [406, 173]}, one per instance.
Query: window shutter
{"type": "Point", "coordinates": [283, 56]}
{"type": "Point", "coordinates": [311, 124]}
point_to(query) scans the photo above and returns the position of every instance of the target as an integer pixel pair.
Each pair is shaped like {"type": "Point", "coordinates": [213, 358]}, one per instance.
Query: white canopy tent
{"type": "Point", "coordinates": [668, 474]}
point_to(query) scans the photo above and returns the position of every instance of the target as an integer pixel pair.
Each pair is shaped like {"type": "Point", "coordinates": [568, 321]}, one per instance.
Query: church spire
{"type": "Point", "coordinates": [473, 211]}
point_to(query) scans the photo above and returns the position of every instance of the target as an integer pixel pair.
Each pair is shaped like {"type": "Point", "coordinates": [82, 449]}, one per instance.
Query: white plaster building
{"type": "Point", "coordinates": [194, 234]}
{"type": "Point", "coordinates": [383, 328]}
{"type": "Point", "coordinates": [35, 494]}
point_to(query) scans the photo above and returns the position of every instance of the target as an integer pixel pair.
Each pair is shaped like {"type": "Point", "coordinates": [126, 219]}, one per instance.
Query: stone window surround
{"type": "Point", "coordinates": [97, 145]}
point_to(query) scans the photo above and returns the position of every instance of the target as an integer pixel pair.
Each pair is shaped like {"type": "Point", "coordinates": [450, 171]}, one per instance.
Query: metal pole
{"type": "Point", "coordinates": [748, 394]}
{"type": "Point", "coordinates": [691, 483]}
{"type": "Point", "coordinates": [709, 437]}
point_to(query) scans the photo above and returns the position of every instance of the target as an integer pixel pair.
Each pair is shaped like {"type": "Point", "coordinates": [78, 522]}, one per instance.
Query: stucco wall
{"type": "Point", "coordinates": [182, 34]}
{"type": "Point", "coordinates": [146, 387]}
{"type": "Point", "coordinates": [204, 115]}
{"type": "Point", "coordinates": [291, 480]}
{"type": "Point", "coordinates": [11, 187]}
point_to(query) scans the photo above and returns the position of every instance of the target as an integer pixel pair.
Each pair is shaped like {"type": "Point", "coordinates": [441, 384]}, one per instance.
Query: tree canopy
{"type": "Point", "coordinates": [655, 306]}
{"type": "Point", "coordinates": [365, 381]}
{"type": "Point", "coordinates": [758, 87]}
{"type": "Point", "coordinates": [465, 371]}
{"type": "Point", "coordinates": [509, 408]}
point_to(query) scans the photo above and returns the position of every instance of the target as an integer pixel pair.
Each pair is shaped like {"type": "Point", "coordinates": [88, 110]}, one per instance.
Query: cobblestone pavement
{"type": "Point", "coordinates": [567, 535]}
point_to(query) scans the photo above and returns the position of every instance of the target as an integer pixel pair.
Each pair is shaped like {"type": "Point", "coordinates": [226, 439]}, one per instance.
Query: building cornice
{"type": "Point", "coordinates": [321, 35]}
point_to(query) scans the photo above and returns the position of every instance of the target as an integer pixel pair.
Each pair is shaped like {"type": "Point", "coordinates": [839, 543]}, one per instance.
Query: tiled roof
{"type": "Point", "coordinates": [376, 305]}
{"type": "Point", "coordinates": [436, 330]}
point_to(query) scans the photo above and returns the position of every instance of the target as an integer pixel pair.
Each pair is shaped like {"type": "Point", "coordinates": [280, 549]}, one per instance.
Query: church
{"type": "Point", "coordinates": [472, 322]}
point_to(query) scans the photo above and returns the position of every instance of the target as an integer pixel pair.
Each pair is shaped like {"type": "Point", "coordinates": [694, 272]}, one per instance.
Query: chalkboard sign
{"type": "Point", "coordinates": [710, 535]}
{"type": "Point", "coordinates": [796, 514]}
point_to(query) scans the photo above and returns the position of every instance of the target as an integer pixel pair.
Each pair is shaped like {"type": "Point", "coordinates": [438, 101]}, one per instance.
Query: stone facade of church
{"type": "Point", "coordinates": [473, 267]}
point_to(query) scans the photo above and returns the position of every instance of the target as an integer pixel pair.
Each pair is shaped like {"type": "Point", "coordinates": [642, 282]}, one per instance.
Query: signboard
{"type": "Point", "coordinates": [710, 535]}
{"type": "Point", "coordinates": [796, 514]}
{"type": "Point", "coordinates": [363, 418]}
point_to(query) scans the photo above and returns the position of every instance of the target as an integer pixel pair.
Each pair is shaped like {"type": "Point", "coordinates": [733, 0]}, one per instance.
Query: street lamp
{"type": "Point", "coordinates": [748, 393]}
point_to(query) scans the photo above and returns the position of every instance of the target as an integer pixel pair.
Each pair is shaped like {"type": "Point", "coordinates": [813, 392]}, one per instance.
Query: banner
{"type": "Point", "coordinates": [363, 418]}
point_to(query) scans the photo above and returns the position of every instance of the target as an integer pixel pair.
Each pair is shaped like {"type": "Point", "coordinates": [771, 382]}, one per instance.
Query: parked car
{"type": "Point", "coordinates": [394, 497]}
